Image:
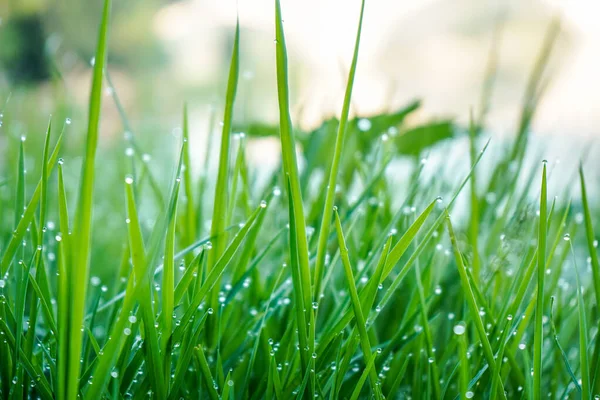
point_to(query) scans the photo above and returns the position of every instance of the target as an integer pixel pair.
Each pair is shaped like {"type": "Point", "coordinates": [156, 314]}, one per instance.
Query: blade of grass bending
{"type": "Point", "coordinates": [28, 214]}
{"type": "Point", "coordinates": [79, 271]}
{"type": "Point", "coordinates": [288, 150]}
{"type": "Point", "coordinates": [221, 189]}
{"type": "Point", "coordinates": [335, 164]}
{"type": "Point", "coordinates": [472, 304]}
{"type": "Point", "coordinates": [395, 257]}
{"type": "Point", "coordinates": [356, 305]}
{"type": "Point", "coordinates": [541, 265]}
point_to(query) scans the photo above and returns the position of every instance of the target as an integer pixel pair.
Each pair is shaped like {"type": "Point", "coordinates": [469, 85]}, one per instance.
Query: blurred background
{"type": "Point", "coordinates": [165, 52]}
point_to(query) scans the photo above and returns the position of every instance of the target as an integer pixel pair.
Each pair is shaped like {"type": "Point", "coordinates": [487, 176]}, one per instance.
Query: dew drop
{"type": "Point", "coordinates": [129, 179]}
{"type": "Point", "coordinates": [364, 124]}
{"type": "Point", "coordinates": [459, 329]}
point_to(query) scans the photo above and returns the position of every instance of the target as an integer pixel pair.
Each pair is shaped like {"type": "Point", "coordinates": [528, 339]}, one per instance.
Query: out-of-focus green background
{"type": "Point", "coordinates": [164, 53]}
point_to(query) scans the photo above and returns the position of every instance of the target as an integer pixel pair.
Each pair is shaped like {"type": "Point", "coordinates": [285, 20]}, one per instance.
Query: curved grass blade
{"type": "Point", "coordinates": [290, 164]}
{"type": "Point", "coordinates": [335, 164]}
{"type": "Point", "coordinates": [219, 217]}
{"type": "Point", "coordinates": [356, 305]}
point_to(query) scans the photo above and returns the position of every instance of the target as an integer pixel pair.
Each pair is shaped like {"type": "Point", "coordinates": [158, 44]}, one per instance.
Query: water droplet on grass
{"type": "Point", "coordinates": [364, 124]}
{"type": "Point", "coordinates": [459, 329]}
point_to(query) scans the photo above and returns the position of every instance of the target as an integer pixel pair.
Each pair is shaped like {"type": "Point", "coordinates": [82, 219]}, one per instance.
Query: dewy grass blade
{"type": "Point", "coordinates": [63, 288]}
{"type": "Point", "coordinates": [168, 283]}
{"type": "Point", "coordinates": [27, 217]}
{"type": "Point", "coordinates": [538, 337]}
{"type": "Point", "coordinates": [335, 164]}
{"type": "Point", "coordinates": [288, 150]}
{"type": "Point", "coordinates": [20, 272]}
{"type": "Point", "coordinates": [221, 190]}
{"type": "Point", "coordinates": [591, 238]}
{"type": "Point", "coordinates": [298, 286]}
{"type": "Point", "coordinates": [138, 259]}
{"type": "Point", "coordinates": [586, 388]}
{"type": "Point", "coordinates": [78, 272]}
{"type": "Point", "coordinates": [471, 303]}
{"type": "Point", "coordinates": [112, 347]}
{"type": "Point", "coordinates": [356, 304]}
{"type": "Point", "coordinates": [564, 356]}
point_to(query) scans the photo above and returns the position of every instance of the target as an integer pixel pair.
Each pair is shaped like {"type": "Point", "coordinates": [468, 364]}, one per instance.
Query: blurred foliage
{"type": "Point", "coordinates": [37, 33]}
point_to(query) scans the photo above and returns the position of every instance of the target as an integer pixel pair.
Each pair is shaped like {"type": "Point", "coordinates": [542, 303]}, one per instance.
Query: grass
{"type": "Point", "coordinates": [331, 280]}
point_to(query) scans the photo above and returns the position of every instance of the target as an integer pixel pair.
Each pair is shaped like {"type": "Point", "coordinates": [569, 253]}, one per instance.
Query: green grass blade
{"type": "Point", "coordinates": [79, 271]}
{"type": "Point", "coordinates": [138, 259]}
{"type": "Point", "coordinates": [219, 217]}
{"type": "Point", "coordinates": [541, 265]}
{"type": "Point", "coordinates": [471, 303]}
{"type": "Point", "coordinates": [206, 374]}
{"type": "Point", "coordinates": [335, 164]}
{"type": "Point", "coordinates": [356, 305]}
{"type": "Point", "coordinates": [586, 386]}
{"type": "Point", "coordinates": [363, 377]}
{"type": "Point", "coordinates": [27, 216]}
{"type": "Point", "coordinates": [590, 236]}
{"type": "Point", "coordinates": [168, 282]}
{"type": "Point", "coordinates": [190, 209]}
{"type": "Point", "coordinates": [290, 163]}
{"type": "Point", "coordinates": [63, 288]}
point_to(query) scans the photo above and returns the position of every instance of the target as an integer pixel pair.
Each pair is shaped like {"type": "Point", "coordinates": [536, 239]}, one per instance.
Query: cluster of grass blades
{"type": "Point", "coordinates": [332, 285]}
